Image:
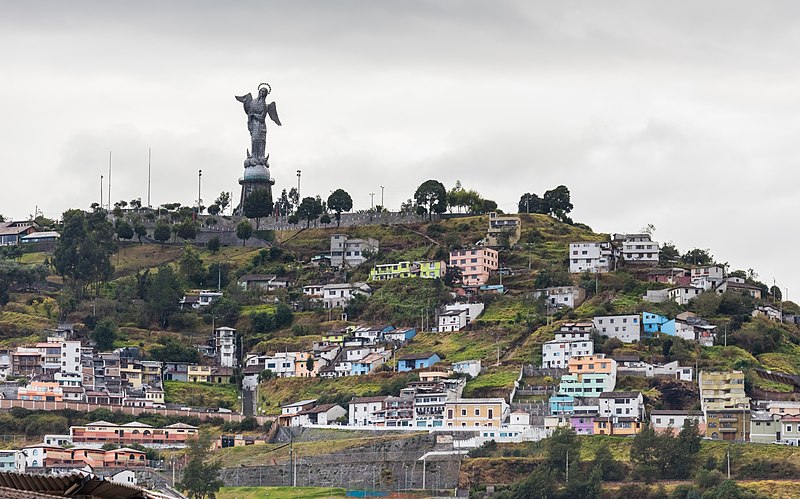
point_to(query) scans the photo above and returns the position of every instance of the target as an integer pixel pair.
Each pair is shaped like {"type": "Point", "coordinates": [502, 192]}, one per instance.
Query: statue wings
{"type": "Point", "coordinates": [246, 100]}
{"type": "Point", "coordinates": [273, 113]}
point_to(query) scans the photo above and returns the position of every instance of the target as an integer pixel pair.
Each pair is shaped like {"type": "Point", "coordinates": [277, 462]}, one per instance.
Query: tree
{"type": "Point", "coordinates": [223, 201]}
{"type": "Point", "coordinates": [213, 244]}
{"type": "Point", "coordinates": [172, 350]}
{"type": "Point", "coordinates": [557, 202]}
{"type": "Point", "coordinates": [452, 275]}
{"type": "Point", "coordinates": [775, 292]}
{"type": "Point", "coordinates": [244, 231]}
{"type": "Point", "coordinates": [339, 201]}
{"type": "Point", "coordinates": [83, 253]}
{"type": "Point", "coordinates": [561, 446]}
{"type": "Point", "coordinates": [136, 204]}
{"type": "Point", "coordinates": [214, 210]}
{"type": "Point", "coordinates": [668, 255]}
{"type": "Point", "coordinates": [293, 219]}
{"type": "Point", "coordinates": [164, 292]}
{"type": "Point", "coordinates": [201, 478]}
{"type": "Point", "coordinates": [610, 470]}
{"type": "Point", "coordinates": [258, 204]}
{"type": "Point", "coordinates": [697, 257]}
{"type": "Point", "coordinates": [432, 195]}
{"type": "Point", "coordinates": [124, 230]}
{"type": "Point", "coordinates": [325, 219]}
{"type": "Point", "coordinates": [310, 209]}
{"type": "Point", "coordinates": [187, 229]}
{"type": "Point", "coordinates": [162, 232]}
{"type": "Point", "coordinates": [139, 229]}
{"type": "Point", "coordinates": [104, 334]}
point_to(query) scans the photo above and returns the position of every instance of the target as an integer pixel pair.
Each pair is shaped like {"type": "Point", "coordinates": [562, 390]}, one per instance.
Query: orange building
{"type": "Point", "coordinates": [617, 426]}
{"type": "Point", "coordinates": [49, 391]}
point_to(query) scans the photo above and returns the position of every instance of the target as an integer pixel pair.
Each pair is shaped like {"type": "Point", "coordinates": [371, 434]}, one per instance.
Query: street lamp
{"type": "Point", "coordinates": [298, 184]}
{"type": "Point", "coordinates": [199, 177]}
{"type": "Point", "coordinates": [371, 200]}
{"type": "Point", "coordinates": [382, 205]}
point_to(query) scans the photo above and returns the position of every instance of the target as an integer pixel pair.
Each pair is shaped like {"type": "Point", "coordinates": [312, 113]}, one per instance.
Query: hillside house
{"type": "Point", "coordinates": [626, 328]}
{"type": "Point", "coordinates": [350, 252]}
{"type": "Point", "coordinates": [364, 411]}
{"type": "Point", "coordinates": [504, 230]}
{"type": "Point", "coordinates": [325, 414]}
{"type": "Point", "coordinates": [651, 323]}
{"type": "Point", "coordinates": [562, 296]}
{"type": "Point", "coordinates": [663, 420]}
{"type": "Point", "coordinates": [409, 362]}
{"type": "Point", "coordinates": [637, 249]}
{"type": "Point", "coordinates": [12, 232]}
{"type": "Point", "coordinates": [262, 282]}
{"type": "Point", "coordinates": [590, 256]}
{"type": "Point", "coordinates": [573, 339]}
{"type": "Point", "coordinates": [619, 404]}
{"type": "Point", "coordinates": [476, 265]}
{"type": "Point", "coordinates": [422, 269]}
{"type": "Point", "coordinates": [339, 295]}
{"type": "Point", "coordinates": [738, 284]}
{"type": "Point", "coordinates": [682, 295]}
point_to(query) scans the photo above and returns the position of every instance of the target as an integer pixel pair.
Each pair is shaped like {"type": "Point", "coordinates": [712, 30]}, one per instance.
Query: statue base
{"type": "Point", "coordinates": [254, 178]}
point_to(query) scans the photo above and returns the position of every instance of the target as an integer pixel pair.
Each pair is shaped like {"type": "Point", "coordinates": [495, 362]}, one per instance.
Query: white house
{"type": "Point", "coordinates": [621, 404]}
{"type": "Point", "coordinates": [471, 367]}
{"type": "Point", "coordinates": [12, 461]}
{"type": "Point", "coordinates": [451, 320]}
{"type": "Point", "coordinates": [339, 295]}
{"type": "Point", "coordinates": [570, 341]}
{"type": "Point", "coordinates": [673, 370]}
{"type": "Point", "coordinates": [637, 248]}
{"type": "Point", "coordinates": [628, 328]}
{"type": "Point", "coordinates": [562, 296]}
{"type": "Point", "coordinates": [664, 420]}
{"type": "Point", "coordinates": [364, 411]}
{"type": "Point", "coordinates": [714, 273]}
{"type": "Point", "coordinates": [325, 414]}
{"type": "Point", "coordinates": [590, 257]}
{"type": "Point", "coordinates": [313, 290]}
{"type": "Point", "coordinates": [738, 284]}
{"type": "Point", "coordinates": [684, 294]}
{"type": "Point", "coordinates": [350, 252]}
{"type": "Point", "coordinates": [36, 454]}
{"type": "Point", "coordinates": [225, 346]}
{"type": "Point", "coordinates": [263, 282]}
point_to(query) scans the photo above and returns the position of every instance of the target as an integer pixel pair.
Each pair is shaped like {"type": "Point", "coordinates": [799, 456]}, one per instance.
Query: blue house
{"type": "Point", "coordinates": [400, 335]}
{"type": "Point", "coordinates": [652, 322]}
{"type": "Point", "coordinates": [562, 404]}
{"type": "Point", "coordinates": [417, 361]}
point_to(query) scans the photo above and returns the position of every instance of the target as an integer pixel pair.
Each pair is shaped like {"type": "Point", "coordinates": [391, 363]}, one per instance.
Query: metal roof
{"type": "Point", "coordinates": [77, 484]}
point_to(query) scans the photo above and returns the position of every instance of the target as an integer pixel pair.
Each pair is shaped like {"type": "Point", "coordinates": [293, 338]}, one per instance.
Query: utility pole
{"type": "Point", "coordinates": [298, 184]}
{"type": "Point", "coordinates": [148, 177]}
{"type": "Point", "coordinates": [729, 463]}
{"type": "Point", "coordinates": [101, 191]}
{"type": "Point", "coordinates": [382, 205]}
{"type": "Point", "coordinates": [567, 466]}
{"type": "Point", "coordinates": [109, 180]}
{"type": "Point", "coordinates": [371, 200]}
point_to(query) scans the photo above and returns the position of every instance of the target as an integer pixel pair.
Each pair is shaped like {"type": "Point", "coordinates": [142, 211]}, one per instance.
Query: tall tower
{"type": "Point", "coordinates": [255, 177]}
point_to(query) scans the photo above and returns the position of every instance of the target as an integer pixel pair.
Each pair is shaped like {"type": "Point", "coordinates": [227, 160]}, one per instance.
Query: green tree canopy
{"type": "Point", "coordinates": [162, 232]}
{"type": "Point", "coordinates": [83, 253]}
{"type": "Point", "coordinates": [309, 210]}
{"type": "Point", "coordinates": [104, 334]}
{"type": "Point", "coordinates": [201, 477]}
{"type": "Point", "coordinates": [163, 294]}
{"type": "Point", "coordinates": [432, 195]}
{"type": "Point", "coordinates": [244, 231]}
{"type": "Point", "coordinates": [258, 204]}
{"type": "Point", "coordinates": [339, 201]}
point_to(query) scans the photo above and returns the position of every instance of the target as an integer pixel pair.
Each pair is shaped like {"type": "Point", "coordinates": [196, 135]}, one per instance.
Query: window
{"type": "Point", "coordinates": [463, 412]}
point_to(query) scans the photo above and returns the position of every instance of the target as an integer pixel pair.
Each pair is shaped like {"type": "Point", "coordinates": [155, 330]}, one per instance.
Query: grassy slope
{"type": "Point", "coordinates": [201, 394]}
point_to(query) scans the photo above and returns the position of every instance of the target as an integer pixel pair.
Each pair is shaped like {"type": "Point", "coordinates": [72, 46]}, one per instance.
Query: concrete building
{"type": "Point", "coordinates": [504, 230]}
{"type": "Point", "coordinates": [626, 328]}
{"type": "Point", "coordinates": [725, 406]}
{"type": "Point", "coordinates": [457, 316]}
{"type": "Point", "coordinates": [339, 295]}
{"type": "Point", "coordinates": [562, 296]}
{"type": "Point", "coordinates": [364, 411]}
{"type": "Point", "coordinates": [765, 428]}
{"type": "Point", "coordinates": [682, 295]}
{"type": "Point", "coordinates": [350, 252]}
{"type": "Point", "coordinates": [476, 412]}
{"type": "Point", "coordinates": [589, 376]}
{"type": "Point", "coordinates": [663, 420]}
{"type": "Point", "coordinates": [574, 339]}
{"type": "Point", "coordinates": [619, 404]}
{"type": "Point", "coordinates": [424, 269]}
{"type": "Point", "coordinates": [225, 346]}
{"type": "Point", "coordinates": [476, 265]}
{"type": "Point", "coordinates": [637, 249]}
{"type": "Point", "coordinates": [591, 257]}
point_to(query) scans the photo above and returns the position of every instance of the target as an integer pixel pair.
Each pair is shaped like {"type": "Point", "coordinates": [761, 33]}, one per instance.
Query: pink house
{"type": "Point", "coordinates": [582, 424]}
{"type": "Point", "coordinates": [475, 265]}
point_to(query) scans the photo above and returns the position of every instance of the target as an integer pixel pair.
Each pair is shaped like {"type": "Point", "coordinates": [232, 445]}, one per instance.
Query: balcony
{"type": "Point", "coordinates": [728, 420]}
{"type": "Point", "coordinates": [728, 430]}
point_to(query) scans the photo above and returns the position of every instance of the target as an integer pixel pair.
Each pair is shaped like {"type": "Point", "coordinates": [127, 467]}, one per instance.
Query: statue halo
{"type": "Point", "coordinates": [265, 85]}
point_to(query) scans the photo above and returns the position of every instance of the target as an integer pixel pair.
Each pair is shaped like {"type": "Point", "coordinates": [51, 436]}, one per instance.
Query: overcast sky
{"type": "Point", "coordinates": [684, 115]}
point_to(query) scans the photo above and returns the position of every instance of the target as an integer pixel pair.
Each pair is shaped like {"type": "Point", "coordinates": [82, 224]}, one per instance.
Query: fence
{"type": "Point", "coordinates": [41, 405]}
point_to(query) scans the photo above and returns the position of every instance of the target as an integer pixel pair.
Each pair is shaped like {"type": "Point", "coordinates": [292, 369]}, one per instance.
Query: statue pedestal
{"type": "Point", "coordinates": [255, 177]}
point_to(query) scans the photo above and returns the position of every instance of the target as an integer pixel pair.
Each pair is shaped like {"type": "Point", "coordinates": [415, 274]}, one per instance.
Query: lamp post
{"type": "Point", "coordinates": [199, 199]}
{"type": "Point", "coordinates": [382, 205]}
{"type": "Point", "coordinates": [298, 184]}
{"type": "Point", "coordinates": [371, 200]}
{"type": "Point", "coordinates": [101, 192]}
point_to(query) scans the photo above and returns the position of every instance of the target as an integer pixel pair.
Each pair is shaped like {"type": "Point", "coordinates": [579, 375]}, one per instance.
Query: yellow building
{"type": "Point", "coordinates": [132, 372]}
{"type": "Point", "coordinates": [198, 374]}
{"type": "Point", "coordinates": [423, 269]}
{"type": "Point", "coordinates": [301, 364]}
{"type": "Point", "coordinates": [722, 390]}
{"type": "Point", "coordinates": [475, 412]}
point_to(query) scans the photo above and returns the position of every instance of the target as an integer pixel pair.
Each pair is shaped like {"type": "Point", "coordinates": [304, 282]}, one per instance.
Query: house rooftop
{"type": "Point", "coordinates": [366, 400]}
{"type": "Point", "coordinates": [619, 395]}
{"type": "Point", "coordinates": [300, 403]}
{"type": "Point", "coordinates": [417, 356]}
